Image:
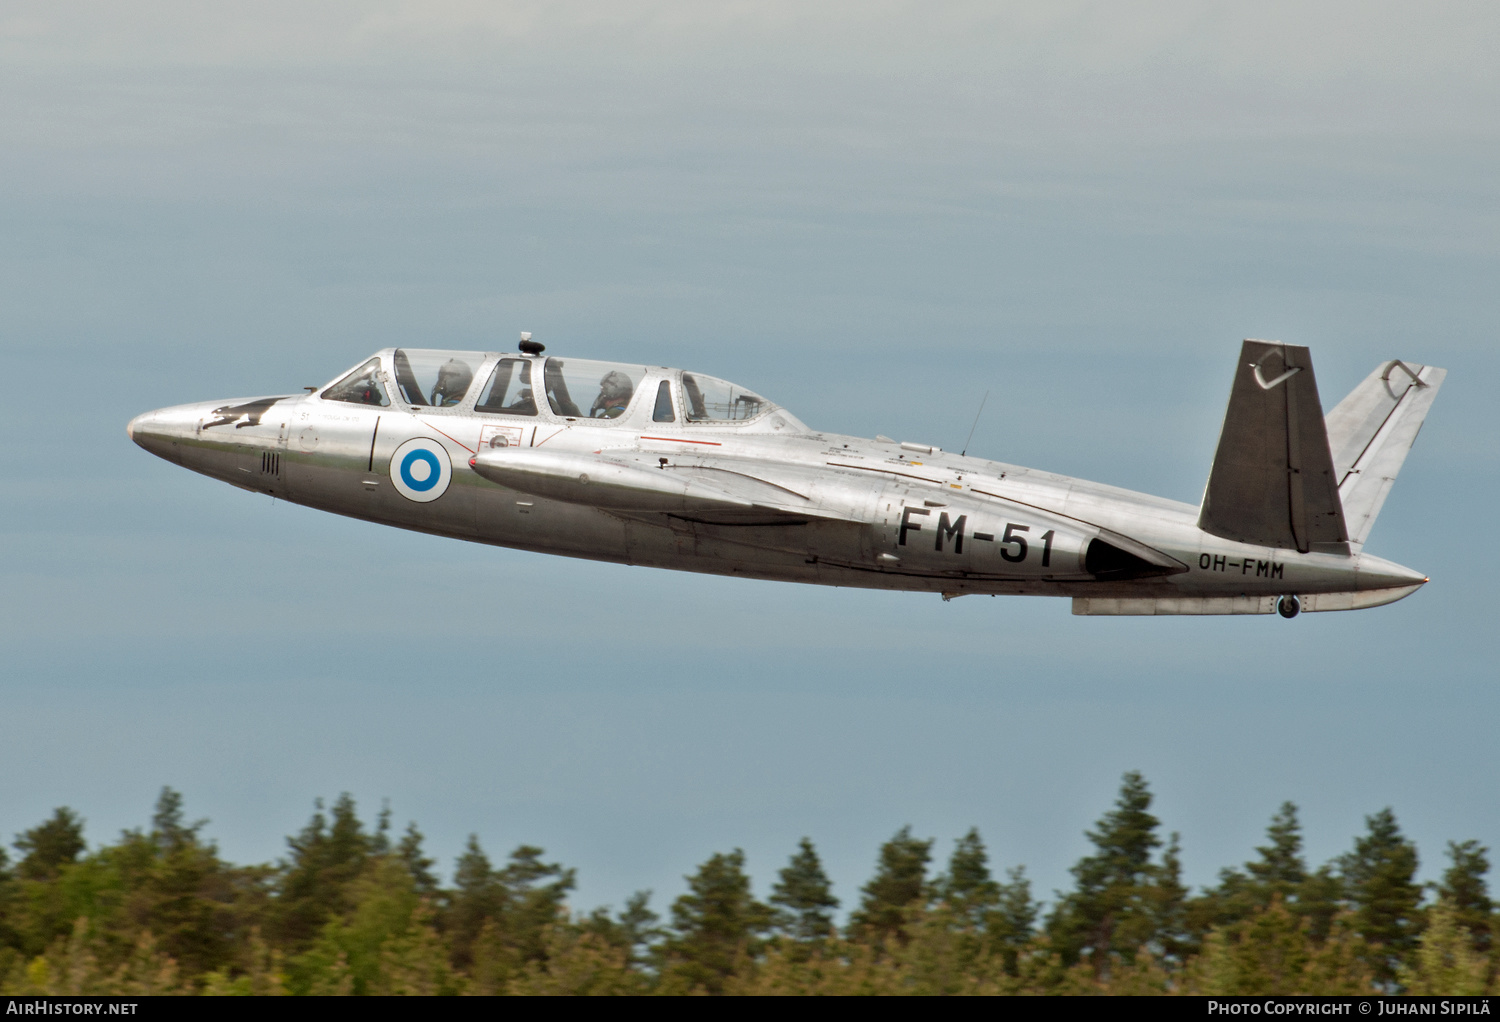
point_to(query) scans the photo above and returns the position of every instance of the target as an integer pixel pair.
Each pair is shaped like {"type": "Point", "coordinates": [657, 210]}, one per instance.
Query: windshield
{"type": "Point", "coordinates": [432, 378]}
{"type": "Point", "coordinates": [361, 387]}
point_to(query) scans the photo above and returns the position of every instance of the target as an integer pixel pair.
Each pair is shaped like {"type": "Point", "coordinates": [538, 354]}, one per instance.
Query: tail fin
{"type": "Point", "coordinates": [1370, 433]}
{"type": "Point", "coordinates": [1272, 481]}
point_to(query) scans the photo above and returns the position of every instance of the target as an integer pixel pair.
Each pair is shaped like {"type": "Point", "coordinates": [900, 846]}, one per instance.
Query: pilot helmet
{"type": "Point", "coordinates": [452, 383]}
{"type": "Point", "coordinates": [615, 386]}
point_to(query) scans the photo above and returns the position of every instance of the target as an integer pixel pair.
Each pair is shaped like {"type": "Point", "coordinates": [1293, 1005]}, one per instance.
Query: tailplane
{"type": "Point", "coordinates": [1370, 433]}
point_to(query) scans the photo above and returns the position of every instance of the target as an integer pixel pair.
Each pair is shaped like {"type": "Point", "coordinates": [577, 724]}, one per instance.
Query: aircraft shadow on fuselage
{"type": "Point", "coordinates": [250, 411]}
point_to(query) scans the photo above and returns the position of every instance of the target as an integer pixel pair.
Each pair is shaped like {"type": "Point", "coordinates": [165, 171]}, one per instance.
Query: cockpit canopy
{"type": "Point", "coordinates": [567, 388]}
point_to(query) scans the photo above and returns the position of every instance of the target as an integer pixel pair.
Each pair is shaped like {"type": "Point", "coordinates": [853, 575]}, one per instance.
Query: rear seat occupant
{"type": "Point", "coordinates": [608, 387]}
{"type": "Point", "coordinates": [615, 391]}
{"type": "Point", "coordinates": [452, 384]}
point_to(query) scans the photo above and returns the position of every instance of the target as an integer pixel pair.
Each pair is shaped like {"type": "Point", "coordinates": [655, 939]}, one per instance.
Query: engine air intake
{"type": "Point", "coordinates": [1107, 561]}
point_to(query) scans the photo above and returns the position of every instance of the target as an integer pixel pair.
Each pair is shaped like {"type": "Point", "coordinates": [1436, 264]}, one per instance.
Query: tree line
{"type": "Point", "coordinates": [357, 909]}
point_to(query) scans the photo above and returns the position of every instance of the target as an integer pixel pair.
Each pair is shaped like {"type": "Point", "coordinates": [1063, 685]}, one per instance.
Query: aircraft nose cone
{"type": "Point", "coordinates": [146, 427]}
{"type": "Point", "coordinates": [162, 431]}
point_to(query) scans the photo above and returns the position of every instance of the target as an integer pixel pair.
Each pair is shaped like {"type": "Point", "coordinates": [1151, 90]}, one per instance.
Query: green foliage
{"type": "Point", "coordinates": [1280, 871]}
{"type": "Point", "coordinates": [535, 894]}
{"type": "Point", "coordinates": [357, 910]}
{"type": "Point", "coordinates": [1013, 922]}
{"type": "Point", "coordinates": [477, 898]}
{"type": "Point", "coordinates": [1121, 895]}
{"type": "Point", "coordinates": [1379, 878]}
{"type": "Point", "coordinates": [634, 931]}
{"type": "Point", "coordinates": [803, 897]}
{"type": "Point", "coordinates": [1273, 952]}
{"type": "Point", "coordinates": [1446, 962]}
{"type": "Point", "coordinates": [418, 865]}
{"type": "Point", "coordinates": [717, 924]}
{"type": "Point", "coordinates": [967, 889]}
{"type": "Point", "coordinates": [315, 881]}
{"type": "Point", "coordinates": [48, 847]}
{"type": "Point", "coordinates": [1320, 899]}
{"type": "Point", "coordinates": [1464, 890]}
{"type": "Point", "coordinates": [497, 919]}
{"type": "Point", "coordinates": [898, 888]}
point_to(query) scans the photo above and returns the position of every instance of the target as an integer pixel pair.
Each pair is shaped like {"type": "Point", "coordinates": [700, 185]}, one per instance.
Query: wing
{"type": "Point", "coordinates": [719, 492]}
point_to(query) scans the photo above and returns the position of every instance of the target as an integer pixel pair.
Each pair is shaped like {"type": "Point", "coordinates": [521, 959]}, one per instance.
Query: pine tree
{"type": "Point", "coordinates": [45, 897]}
{"type": "Point", "coordinates": [898, 888]}
{"type": "Point", "coordinates": [478, 897]}
{"type": "Point", "coordinates": [325, 860]}
{"type": "Point", "coordinates": [1013, 922]}
{"type": "Point", "coordinates": [967, 888]}
{"type": "Point", "coordinates": [503, 915]}
{"type": "Point", "coordinates": [348, 948]}
{"type": "Point", "coordinates": [534, 894]}
{"type": "Point", "coordinates": [417, 863]}
{"type": "Point", "coordinates": [1279, 872]}
{"type": "Point", "coordinates": [380, 841]}
{"type": "Point", "coordinates": [716, 925]}
{"type": "Point", "coordinates": [1320, 899]}
{"type": "Point", "coordinates": [1445, 961]}
{"type": "Point", "coordinates": [638, 927]}
{"type": "Point", "coordinates": [633, 931]}
{"type": "Point", "coordinates": [1175, 938]}
{"type": "Point", "coordinates": [10, 937]}
{"type": "Point", "coordinates": [1280, 869]}
{"type": "Point", "coordinates": [1113, 907]}
{"type": "Point", "coordinates": [184, 893]}
{"type": "Point", "coordinates": [1266, 953]}
{"type": "Point", "coordinates": [1463, 888]}
{"type": "Point", "coordinates": [169, 829]}
{"type": "Point", "coordinates": [1380, 880]}
{"type": "Point", "coordinates": [804, 897]}
{"type": "Point", "coordinates": [49, 846]}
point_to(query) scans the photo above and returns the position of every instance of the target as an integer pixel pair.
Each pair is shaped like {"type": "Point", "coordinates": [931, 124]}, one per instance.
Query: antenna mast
{"type": "Point", "coordinates": [977, 414]}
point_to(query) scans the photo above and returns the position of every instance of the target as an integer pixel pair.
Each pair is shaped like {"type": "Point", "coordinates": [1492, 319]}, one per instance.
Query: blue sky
{"type": "Point", "coordinates": [872, 213]}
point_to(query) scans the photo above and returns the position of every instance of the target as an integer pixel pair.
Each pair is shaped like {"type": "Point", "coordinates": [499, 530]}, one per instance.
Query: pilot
{"type": "Point", "coordinates": [367, 391]}
{"type": "Point", "coordinates": [372, 393]}
{"type": "Point", "coordinates": [523, 404]}
{"type": "Point", "coordinates": [615, 391]}
{"type": "Point", "coordinates": [452, 384]}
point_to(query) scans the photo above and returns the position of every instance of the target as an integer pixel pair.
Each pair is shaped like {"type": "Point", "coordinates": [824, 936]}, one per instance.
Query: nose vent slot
{"type": "Point", "coordinates": [270, 463]}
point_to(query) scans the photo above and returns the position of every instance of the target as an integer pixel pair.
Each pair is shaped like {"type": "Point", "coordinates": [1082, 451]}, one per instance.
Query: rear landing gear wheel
{"type": "Point", "coordinates": [1288, 607]}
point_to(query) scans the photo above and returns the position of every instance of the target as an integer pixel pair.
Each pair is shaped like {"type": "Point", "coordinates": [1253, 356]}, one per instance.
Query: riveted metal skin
{"type": "Point", "coordinates": [764, 497]}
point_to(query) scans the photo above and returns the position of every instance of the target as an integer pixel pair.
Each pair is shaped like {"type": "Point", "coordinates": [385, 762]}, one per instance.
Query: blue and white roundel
{"type": "Point", "coordinates": [420, 470]}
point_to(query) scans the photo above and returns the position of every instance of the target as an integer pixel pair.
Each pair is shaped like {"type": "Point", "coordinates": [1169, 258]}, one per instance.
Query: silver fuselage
{"type": "Point", "coordinates": [886, 516]}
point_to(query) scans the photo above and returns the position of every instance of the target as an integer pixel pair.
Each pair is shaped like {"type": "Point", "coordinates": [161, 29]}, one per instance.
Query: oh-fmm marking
{"type": "Point", "coordinates": [1263, 569]}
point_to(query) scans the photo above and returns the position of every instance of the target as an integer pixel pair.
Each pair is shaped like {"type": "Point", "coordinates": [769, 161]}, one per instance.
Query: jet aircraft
{"type": "Point", "coordinates": [675, 469]}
